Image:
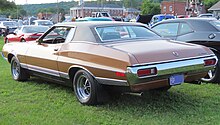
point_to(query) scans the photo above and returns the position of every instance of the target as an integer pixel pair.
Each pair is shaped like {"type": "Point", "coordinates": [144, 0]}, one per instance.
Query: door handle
{"type": "Point", "coordinates": [56, 49]}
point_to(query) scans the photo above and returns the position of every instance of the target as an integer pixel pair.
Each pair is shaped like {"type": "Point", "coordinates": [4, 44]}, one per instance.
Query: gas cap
{"type": "Point", "coordinates": [212, 36]}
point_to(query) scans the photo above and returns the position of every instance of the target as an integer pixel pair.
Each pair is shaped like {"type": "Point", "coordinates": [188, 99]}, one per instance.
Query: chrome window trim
{"type": "Point", "coordinates": [74, 32]}
{"type": "Point", "coordinates": [105, 41]}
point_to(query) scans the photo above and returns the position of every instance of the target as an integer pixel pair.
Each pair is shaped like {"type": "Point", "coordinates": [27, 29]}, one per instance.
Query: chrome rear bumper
{"type": "Point", "coordinates": [165, 69]}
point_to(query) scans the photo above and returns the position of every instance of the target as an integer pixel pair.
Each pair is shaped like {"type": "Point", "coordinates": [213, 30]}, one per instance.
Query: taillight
{"type": "Point", "coordinates": [147, 72]}
{"type": "Point", "coordinates": [209, 62]}
{"type": "Point", "coordinates": [120, 74]}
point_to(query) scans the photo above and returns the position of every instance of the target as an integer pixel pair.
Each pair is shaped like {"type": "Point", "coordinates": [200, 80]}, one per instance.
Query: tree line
{"type": "Point", "coordinates": [146, 6]}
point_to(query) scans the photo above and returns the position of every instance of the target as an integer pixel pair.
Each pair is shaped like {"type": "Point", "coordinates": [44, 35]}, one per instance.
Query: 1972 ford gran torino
{"type": "Point", "coordinates": [89, 56]}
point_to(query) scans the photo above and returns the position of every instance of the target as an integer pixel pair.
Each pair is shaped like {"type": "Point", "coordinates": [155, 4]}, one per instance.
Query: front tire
{"type": "Point", "coordinates": [213, 76]}
{"type": "Point", "coordinates": [18, 73]}
{"type": "Point", "coordinates": [86, 88]}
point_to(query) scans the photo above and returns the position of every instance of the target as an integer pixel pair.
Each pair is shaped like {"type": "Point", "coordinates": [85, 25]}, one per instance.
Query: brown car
{"type": "Point", "coordinates": [92, 57]}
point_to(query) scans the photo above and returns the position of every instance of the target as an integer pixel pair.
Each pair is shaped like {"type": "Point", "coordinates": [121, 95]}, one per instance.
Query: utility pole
{"type": "Point", "coordinates": [57, 12]}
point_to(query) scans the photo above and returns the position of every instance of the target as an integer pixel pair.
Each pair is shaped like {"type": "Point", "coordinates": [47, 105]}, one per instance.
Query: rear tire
{"type": "Point", "coordinates": [6, 40]}
{"type": "Point", "coordinates": [87, 89]}
{"type": "Point", "coordinates": [213, 76]}
{"type": "Point", "coordinates": [23, 40]}
{"type": "Point", "coordinates": [18, 73]}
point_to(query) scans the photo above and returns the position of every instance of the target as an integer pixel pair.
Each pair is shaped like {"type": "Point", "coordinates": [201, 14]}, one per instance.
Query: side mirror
{"type": "Point", "coordinates": [39, 41]}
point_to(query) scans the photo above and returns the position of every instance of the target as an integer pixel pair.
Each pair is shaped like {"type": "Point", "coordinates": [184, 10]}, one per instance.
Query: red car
{"type": "Point", "coordinates": [26, 33]}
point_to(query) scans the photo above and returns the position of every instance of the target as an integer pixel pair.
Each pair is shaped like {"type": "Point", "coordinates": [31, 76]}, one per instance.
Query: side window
{"type": "Point", "coordinates": [16, 31]}
{"type": "Point", "coordinates": [184, 28]}
{"type": "Point", "coordinates": [168, 29]}
{"type": "Point", "coordinates": [70, 35]}
{"type": "Point", "coordinates": [57, 35]}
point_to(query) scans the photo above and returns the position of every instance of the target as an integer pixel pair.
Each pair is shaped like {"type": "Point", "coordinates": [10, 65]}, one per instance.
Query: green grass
{"type": "Point", "coordinates": [39, 102]}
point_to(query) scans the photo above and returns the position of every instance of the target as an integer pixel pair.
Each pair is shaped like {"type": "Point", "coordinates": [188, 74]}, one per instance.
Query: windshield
{"type": "Point", "coordinates": [10, 24]}
{"type": "Point", "coordinates": [216, 23]}
{"type": "Point", "coordinates": [100, 19]}
{"type": "Point", "coordinates": [45, 23]}
{"type": "Point", "coordinates": [112, 33]}
{"type": "Point", "coordinates": [36, 29]}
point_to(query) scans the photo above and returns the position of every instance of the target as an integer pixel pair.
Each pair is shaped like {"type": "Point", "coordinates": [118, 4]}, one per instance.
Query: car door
{"type": "Point", "coordinates": [167, 30]}
{"type": "Point", "coordinates": [42, 57]}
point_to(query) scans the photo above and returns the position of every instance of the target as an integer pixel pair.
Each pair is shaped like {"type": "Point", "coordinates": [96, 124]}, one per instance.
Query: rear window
{"type": "Point", "coordinates": [216, 24]}
{"type": "Point", "coordinates": [113, 33]}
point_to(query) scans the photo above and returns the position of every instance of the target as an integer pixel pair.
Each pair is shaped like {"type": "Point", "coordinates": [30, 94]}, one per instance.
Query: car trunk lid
{"type": "Point", "coordinates": [160, 50]}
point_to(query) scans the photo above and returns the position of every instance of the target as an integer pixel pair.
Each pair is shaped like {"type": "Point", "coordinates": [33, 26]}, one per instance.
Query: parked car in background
{"type": "Point", "coordinates": [203, 31]}
{"type": "Point", "coordinates": [101, 14]}
{"type": "Point", "coordinates": [160, 17]}
{"type": "Point", "coordinates": [104, 57]}
{"type": "Point", "coordinates": [8, 27]}
{"type": "Point", "coordinates": [207, 15]}
{"type": "Point", "coordinates": [26, 33]}
{"type": "Point", "coordinates": [183, 16]}
{"type": "Point", "coordinates": [94, 19]}
{"type": "Point", "coordinates": [42, 23]}
{"type": "Point", "coordinates": [120, 19]}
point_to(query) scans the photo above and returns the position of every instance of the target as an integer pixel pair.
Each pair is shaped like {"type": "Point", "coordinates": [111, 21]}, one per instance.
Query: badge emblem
{"type": "Point", "coordinates": [176, 54]}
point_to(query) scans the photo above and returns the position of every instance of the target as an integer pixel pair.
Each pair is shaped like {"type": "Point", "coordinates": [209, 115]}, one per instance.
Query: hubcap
{"type": "Point", "coordinates": [209, 76]}
{"type": "Point", "coordinates": [15, 69]}
{"type": "Point", "coordinates": [83, 87]}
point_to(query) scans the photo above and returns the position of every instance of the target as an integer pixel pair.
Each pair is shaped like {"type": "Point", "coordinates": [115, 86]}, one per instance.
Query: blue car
{"type": "Point", "coordinates": [160, 17]}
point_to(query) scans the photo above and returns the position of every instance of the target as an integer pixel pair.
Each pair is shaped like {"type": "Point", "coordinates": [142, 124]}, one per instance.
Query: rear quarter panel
{"type": "Point", "coordinates": [100, 60]}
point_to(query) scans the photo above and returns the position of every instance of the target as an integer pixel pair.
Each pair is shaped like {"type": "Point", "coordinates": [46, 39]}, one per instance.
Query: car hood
{"type": "Point", "coordinates": [161, 50]}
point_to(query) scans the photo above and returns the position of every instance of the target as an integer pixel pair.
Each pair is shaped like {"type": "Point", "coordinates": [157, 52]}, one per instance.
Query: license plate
{"type": "Point", "coordinates": [176, 79]}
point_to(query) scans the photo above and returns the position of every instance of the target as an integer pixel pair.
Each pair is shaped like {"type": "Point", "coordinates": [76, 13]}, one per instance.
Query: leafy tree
{"type": "Point", "coordinates": [209, 3]}
{"type": "Point", "coordinates": [6, 5]}
{"type": "Point", "coordinates": [14, 12]}
{"type": "Point", "coordinates": [101, 1]}
{"type": "Point", "coordinates": [149, 7]}
{"type": "Point", "coordinates": [130, 3]}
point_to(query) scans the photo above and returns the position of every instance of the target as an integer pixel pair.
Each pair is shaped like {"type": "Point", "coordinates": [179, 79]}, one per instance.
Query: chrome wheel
{"type": "Point", "coordinates": [15, 70]}
{"type": "Point", "coordinates": [210, 75]}
{"type": "Point", "coordinates": [213, 76]}
{"type": "Point", "coordinates": [87, 90]}
{"type": "Point", "coordinates": [83, 88]}
{"type": "Point", "coordinates": [18, 73]}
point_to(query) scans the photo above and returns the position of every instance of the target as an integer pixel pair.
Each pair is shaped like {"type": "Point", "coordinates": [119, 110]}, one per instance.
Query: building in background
{"type": "Point", "coordinates": [173, 7]}
{"type": "Point", "coordinates": [85, 10]}
{"type": "Point", "coordinates": [190, 7]}
{"type": "Point", "coordinates": [215, 9]}
{"type": "Point", "coordinates": [131, 13]}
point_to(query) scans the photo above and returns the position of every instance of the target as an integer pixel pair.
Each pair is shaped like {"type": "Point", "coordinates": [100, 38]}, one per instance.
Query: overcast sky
{"type": "Point", "coordinates": [38, 1]}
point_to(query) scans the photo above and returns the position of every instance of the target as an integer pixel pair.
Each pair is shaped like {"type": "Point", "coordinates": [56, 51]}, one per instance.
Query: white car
{"type": "Point", "coordinates": [42, 23]}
